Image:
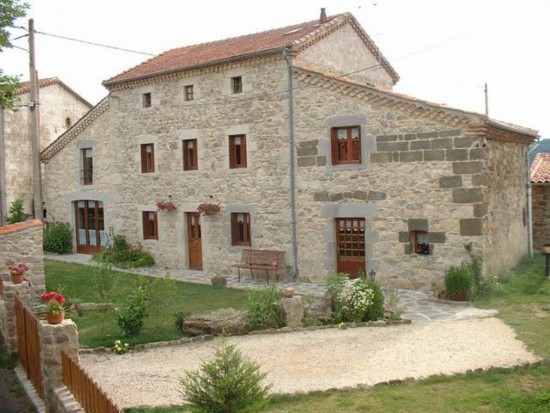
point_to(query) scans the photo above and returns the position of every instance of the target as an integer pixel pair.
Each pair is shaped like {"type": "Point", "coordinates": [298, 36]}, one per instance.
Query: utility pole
{"type": "Point", "coordinates": [3, 192]}
{"type": "Point", "coordinates": [34, 122]}
{"type": "Point", "coordinates": [486, 100]}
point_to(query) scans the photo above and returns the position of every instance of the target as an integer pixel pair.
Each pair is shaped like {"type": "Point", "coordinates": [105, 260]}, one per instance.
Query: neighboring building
{"type": "Point", "coordinates": [60, 107]}
{"type": "Point", "coordinates": [374, 179]}
{"type": "Point", "coordinates": [540, 189]}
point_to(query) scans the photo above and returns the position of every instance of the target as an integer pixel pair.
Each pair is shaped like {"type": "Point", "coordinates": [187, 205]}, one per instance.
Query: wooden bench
{"type": "Point", "coordinates": [268, 260]}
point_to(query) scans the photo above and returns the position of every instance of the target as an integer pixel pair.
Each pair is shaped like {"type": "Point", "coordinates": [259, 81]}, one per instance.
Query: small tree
{"type": "Point", "coordinates": [227, 384]}
{"type": "Point", "coordinates": [16, 213]}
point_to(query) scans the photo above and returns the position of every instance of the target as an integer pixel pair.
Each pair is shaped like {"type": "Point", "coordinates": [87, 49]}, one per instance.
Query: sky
{"type": "Point", "coordinates": [445, 51]}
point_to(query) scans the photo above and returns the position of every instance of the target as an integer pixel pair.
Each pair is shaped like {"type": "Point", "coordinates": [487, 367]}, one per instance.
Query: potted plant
{"type": "Point", "coordinates": [17, 272]}
{"type": "Point", "coordinates": [218, 280]}
{"type": "Point", "coordinates": [207, 208]}
{"type": "Point", "coordinates": [55, 304]}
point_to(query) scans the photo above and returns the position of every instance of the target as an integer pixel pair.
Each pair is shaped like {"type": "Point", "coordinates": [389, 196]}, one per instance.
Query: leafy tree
{"type": "Point", "coordinates": [10, 10]}
{"type": "Point", "coordinates": [16, 212]}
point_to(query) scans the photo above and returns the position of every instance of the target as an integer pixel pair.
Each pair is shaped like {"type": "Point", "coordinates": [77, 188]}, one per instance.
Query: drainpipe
{"type": "Point", "coordinates": [529, 203]}
{"type": "Point", "coordinates": [292, 176]}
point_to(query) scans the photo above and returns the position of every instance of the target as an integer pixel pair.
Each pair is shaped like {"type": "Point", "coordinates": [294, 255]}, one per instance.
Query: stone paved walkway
{"type": "Point", "coordinates": [419, 305]}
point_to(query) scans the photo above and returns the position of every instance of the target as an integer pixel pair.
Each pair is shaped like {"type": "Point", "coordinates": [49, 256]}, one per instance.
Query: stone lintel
{"type": "Point", "coordinates": [418, 224]}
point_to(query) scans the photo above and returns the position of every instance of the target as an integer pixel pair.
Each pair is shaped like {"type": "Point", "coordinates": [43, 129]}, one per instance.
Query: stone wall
{"type": "Point", "coordinates": [56, 106]}
{"type": "Point", "coordinates": [351, 63]}
{"type": "Point", "coordinates": [7, 311]}
{"type": "Point", "coordinates": [506, 208]}
{"type": "Point", "coordinates": [541, 215]}
{"type": "Point", "coordinates": [421, 169]}
{"type": "Point", "coordinates": [22, 242]}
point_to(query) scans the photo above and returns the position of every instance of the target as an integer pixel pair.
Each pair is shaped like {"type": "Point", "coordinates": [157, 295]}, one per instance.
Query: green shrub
{"type": "Point", "coordinates": [130, 317]}
{"type": "Point", "coordinates": [376, 309]}
{"type": "Point", "coordinates": [264, 308]}
{"type": "Point", "coordinates": [16, 213]}
{"type": "Point", "coordinates": [58, 238]}
{"type": "Point", "coordinates": [124, 255]}
{"type": "Point", "coordinates": [355, 300]}
{"type": "Point", "coordinates": [178, 319]}
{"type": "Point", "coordinates": [227, 384]}
{"type": "Point", "coordinates": [459, 282]}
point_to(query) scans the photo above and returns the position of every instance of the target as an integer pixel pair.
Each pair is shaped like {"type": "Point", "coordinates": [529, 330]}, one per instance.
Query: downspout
{"type": "Point", "coordinates": [292, 185]}
{"type": "Point", "coordinates": [3, 191]}
{"type": "Point", "coordinates": [529, 203]}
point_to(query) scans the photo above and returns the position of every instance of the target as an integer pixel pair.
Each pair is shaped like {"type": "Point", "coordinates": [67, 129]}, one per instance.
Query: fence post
{"type": "Point", "coordinates": [53, 339]}
{"type": "Point", "coordinates": [7, 311]}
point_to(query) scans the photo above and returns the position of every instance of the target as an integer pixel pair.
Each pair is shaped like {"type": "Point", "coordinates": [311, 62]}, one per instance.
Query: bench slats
{"type": "Point", "coordinates": [268, 260]}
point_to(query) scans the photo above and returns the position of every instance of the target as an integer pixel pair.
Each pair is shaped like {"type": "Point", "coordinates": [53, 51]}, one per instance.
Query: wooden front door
{"type": "Point", "coordinates": [194, 243]}
{"type": "Point", "coordinates": [350, 246]}
{"type": "Point", "coordinates": [90, 228]}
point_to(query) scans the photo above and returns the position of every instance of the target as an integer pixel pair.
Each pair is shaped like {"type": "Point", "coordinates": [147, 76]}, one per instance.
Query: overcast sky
{"type": "Point", "coordinates": [444, 50]}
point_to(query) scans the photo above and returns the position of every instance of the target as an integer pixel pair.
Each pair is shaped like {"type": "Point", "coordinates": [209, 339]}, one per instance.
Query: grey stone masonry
{"type": "Point", "coordinates": [53, 339]}
{"type": "Point", "coordinates": [450, 181]}
{"type": "Point", "coordinates": [7, 311]}
{"type": "Point", "coordinates": [467, 195]}
{"type": "Point", "coordinates": [445, 145]}
{"type": "Point", "coordinates": [22, 243]}
{"type": "Point", "coordinates": [471, 226]}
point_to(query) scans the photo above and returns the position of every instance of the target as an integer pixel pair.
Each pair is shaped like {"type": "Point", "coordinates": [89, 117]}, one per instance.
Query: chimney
{"type": "Point", "coordinates": [323, 18]}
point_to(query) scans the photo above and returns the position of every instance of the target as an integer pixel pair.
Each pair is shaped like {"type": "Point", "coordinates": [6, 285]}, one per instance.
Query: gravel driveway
{"type": "Point", "coordinates": [319, 359]}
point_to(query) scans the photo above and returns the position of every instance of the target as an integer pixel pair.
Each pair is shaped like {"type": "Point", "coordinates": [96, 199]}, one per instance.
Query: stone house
{"type": "Point", "coordinates": [296, 134]}
{"type": "Point", "coordinates": [60, 107]}
{"type": "Point", "coordinates": [540, 188]}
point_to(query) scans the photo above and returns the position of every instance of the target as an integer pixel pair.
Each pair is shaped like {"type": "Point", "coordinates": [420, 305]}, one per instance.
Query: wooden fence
{"type": "Point", "coordinates": [28, 344]}
{"type": "Point", "coordinates": [84, 389]}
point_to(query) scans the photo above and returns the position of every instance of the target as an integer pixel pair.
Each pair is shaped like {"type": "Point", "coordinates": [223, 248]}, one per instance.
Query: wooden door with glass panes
{"type": "Point", "coordinates": [350, 246]}
{"type": "Point", "coordinates": [90, 226]}
{"type": "Point", "coordinates": [194, 241]}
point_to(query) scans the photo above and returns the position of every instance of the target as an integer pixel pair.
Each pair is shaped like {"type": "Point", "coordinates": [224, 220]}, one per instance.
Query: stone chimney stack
{"type": "Point", "coordinates": [323, 18]}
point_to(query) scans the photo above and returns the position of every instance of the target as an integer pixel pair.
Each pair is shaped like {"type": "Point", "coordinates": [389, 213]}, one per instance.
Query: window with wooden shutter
{"type": "Point", "coordinates": [240, 229]}
{"type": "Point", "coordinates": [237, 151]}
{"type": "Point", "coordinates": [150, 225]}
{"type": "Point", "coordinates": [346, 145]}
{"type": "Point", "coordinates": [190, 155]}
{"type": "Point", "coordinates": [147, 158]}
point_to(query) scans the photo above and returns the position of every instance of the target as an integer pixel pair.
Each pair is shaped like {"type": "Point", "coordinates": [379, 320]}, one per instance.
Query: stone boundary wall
{"type": "Point", "coordinates": [53, 339]}
{"type": "Point", "coordinates": [22, 242]}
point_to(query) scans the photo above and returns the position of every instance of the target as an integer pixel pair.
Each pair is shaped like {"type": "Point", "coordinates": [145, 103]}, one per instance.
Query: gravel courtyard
{"type": "Point", "coordinates": [319, 359]}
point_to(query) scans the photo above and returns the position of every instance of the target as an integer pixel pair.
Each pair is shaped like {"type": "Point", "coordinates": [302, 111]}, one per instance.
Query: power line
{"type": "Point", "coordinates": [94, 44]}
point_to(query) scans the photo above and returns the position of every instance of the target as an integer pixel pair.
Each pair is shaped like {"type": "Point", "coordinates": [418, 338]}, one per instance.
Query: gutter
{"type": "Point", "coordinates": [292, 176]}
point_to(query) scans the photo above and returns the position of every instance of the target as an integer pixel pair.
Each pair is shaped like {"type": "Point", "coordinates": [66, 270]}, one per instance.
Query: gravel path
{"type": "Point", "coordinates": [319, 359]}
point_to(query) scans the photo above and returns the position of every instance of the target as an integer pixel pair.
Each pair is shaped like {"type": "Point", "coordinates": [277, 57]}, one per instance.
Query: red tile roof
{"type": "Point", "coordinates": [25, 88]}
{"type": "Point", "coordinates": [540, 169]}
{"type": "Point", "coordinates": [271, 41]}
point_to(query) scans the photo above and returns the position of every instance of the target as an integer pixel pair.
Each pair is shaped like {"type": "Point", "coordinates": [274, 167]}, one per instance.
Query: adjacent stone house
{"type": "Point", "coordinates": [296, 134]}
{"type": "Point", "coordinates": [540, 189]}
{"type": "Point", "coordinates": [60, 107]}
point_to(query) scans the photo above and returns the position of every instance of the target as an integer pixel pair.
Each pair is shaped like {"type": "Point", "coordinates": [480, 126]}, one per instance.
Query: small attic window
{"type": "Point", "coordinates": [293, 31]}
{"type": "Point", "coordinates": [68, 122]}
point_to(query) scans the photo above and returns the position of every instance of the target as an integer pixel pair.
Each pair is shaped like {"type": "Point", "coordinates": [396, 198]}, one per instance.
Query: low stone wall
{"type": "Point", "coordinates": [22, 242]}
{"type": "Point", "coordinates": [541, 215]}
{"type": "Point", "coordinates": [7, 311]}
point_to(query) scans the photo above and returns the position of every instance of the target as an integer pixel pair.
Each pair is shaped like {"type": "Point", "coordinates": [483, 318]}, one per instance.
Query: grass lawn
{"type": "Point", "coordinates": [80, 283]}
{"type": "Point", "coordinates": [523, 302]}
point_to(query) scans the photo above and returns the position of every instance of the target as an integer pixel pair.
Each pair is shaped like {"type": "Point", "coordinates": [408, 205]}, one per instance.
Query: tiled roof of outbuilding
{"type": "Point", "coordinates": [293, 37]}
{"type": "Point", "coordinates": [25, 88]}
{"type": "Point", "coordinates": [540, 169]}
